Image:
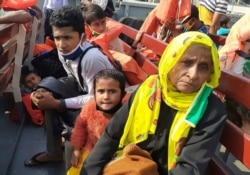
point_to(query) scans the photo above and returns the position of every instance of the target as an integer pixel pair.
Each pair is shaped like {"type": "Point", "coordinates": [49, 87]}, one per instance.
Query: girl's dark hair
{"type": "Point", "coordinates": [68, 16]}
{"type": "Point", "coordinates": [114, 74]}
{"type": "Point", "coordinates": [92, 12]}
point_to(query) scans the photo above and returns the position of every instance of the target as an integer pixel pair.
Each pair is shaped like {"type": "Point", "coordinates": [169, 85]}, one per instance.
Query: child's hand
{"type": "Point", "coordinates": [76, 157]}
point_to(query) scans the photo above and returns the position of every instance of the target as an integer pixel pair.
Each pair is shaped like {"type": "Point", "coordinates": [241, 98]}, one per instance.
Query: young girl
{"type": "Point", "coordinates": [109, 90]}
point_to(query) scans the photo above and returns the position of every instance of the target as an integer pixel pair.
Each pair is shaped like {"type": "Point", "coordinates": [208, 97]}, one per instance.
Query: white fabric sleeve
{"type": "Point", "coordinates": [44, 5]}
{"type": "Point", "coordinates": [238, 66]}
{"type": "Point", "coordinates": [92, 65]}
{"type": "Point", "coordinates": [101, 3]}
{"type": "Point", "coordinates": [93, 62]}
{"type": "Point", "coordinates": [77, 102]}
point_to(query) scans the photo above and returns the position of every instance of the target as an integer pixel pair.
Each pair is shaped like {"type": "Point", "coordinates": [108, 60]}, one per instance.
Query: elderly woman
{"type": "Point", "coordinates": [173, 115]}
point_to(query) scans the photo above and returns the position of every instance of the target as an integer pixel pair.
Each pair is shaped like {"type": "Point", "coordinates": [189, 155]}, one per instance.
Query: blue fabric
{"type": "Point", "coordinates": [203, 29]}
{"type": "Point", "coordinates": [223, 31]}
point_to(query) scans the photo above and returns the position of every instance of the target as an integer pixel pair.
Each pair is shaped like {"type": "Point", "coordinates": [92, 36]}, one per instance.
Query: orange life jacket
{"type": "Point", "coordinates": [44, 47]}
{"type": "Point", "coordinates": [35, 115]}
{"type": "Point", "coordinates": [114, 29]}
{"type": "Point", "coordinates": [19, 4]}
{"type": "Point", "coordinates": [132, 71]}
{"type": "Point", "coordinates": [165, 11]}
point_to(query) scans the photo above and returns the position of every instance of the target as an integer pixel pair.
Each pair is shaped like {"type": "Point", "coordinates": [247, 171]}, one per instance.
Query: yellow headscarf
{"type": "Point", "coordinates": [144, 111]}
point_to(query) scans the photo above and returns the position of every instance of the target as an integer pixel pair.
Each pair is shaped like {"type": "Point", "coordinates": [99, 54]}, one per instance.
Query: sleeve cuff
{"type": "Point", "coordinates": [62, 105]}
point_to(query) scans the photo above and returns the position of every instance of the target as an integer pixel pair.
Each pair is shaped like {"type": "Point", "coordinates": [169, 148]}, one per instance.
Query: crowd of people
{"type": "Point", "coordinates": [172, 120]}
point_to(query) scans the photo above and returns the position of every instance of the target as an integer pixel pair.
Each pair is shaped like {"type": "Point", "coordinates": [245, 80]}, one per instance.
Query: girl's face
{"type": "Point", "coordinates": [107, 93]}
{"type": "Point", "coordinates": [98, 25]}
{"type": "Point", "coordinates": [192, 70]}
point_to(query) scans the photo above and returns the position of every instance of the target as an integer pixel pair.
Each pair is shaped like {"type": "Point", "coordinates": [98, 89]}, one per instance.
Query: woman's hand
{"type": "Point", "coordinates": [76, 157]}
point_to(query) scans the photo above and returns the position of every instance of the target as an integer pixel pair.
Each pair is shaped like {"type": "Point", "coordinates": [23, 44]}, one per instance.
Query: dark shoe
{"type": "Point", "coordinates": [42, 158]}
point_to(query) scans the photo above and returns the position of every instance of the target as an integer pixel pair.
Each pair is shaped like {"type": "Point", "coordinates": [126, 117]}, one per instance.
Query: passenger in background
{"type": "Point", "coordinates": [97, 23]}
{"type": "Point", "coordinates": [224, 26]}
{"type": "Point", "coordinates": [61, 109]}
{"type": "Point", "coordinates": [234, 57]}
{"type": "Point", "coordinates": [174, 116]}
{"type": "Point", "coordinates": [29, 79]}
{"type": "Point", "coordinates": [106, 5]}
{"type": "Point", "coordinates": [104, 32]}
{"type": "Point", "coordinates": [190, 23]}
{"type": "Point", "coordinates": [17, 16]}
{"type": "Point", "coordinates": [237, 46]}
{"type": "Point", "coordinates": [48, 7]}
{"type": "Point", "coordinates": [109, 90]}
{"type": "Point", "coordinates": [211, 11]}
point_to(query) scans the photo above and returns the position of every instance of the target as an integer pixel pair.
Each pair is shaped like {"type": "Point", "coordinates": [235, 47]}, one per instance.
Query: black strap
{"type": "Point", "coordinates": [79, 67]}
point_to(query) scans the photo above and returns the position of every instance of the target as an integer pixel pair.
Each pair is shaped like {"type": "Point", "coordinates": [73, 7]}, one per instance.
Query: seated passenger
{"type": "Point", "coordinates": [224, 26]}
{"type": "Point", "coordinates": [97, 23]}
{"type": "Point", "coordinates": [211, 11]}
{"type": "Point", "coordinates": [190, 23]}
{"type": "Point", "coordinates": [105, 32]}
{"type": "Point", "coordinates": [106, 5]}
{"type": "Point", "coordinates": [156, 23]}
{"type": "Point", "coordinates": [173, 115]}
{"type": "Point", "coordinates": [29, 79]}
{"type": "Point", "coordinates": [72, 92]}
{"type": "Point", "coordinates": [109, 89]}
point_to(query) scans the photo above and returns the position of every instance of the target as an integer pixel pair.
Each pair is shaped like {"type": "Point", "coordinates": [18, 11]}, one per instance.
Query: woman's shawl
{"type": "Point", "coordinates": [144, 111]}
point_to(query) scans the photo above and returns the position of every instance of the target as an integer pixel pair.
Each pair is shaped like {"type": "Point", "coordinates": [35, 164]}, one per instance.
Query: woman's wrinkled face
{"type": "Point", "coordinates": [193, 69]}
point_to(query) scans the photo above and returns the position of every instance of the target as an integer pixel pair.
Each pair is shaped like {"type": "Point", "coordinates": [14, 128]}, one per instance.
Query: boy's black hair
{"type": "Point", "coordinates": [92, 12]}
{"type": "Point", "coordinates": [224, 21]}
{"type": "Point", "coordinates": [194, 14]}
{"type": "Point", "coordinates": [68, 16]}
{"type": "Point", "coordinates": [114, 74]}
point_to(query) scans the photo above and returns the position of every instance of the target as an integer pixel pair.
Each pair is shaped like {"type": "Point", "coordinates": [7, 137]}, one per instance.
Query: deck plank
{"type": "Point", "coordinates": [31, 140]}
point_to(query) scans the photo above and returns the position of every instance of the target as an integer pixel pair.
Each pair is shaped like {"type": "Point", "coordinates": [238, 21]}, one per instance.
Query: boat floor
{"type": "Point", "coordinates": [30, 140]}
